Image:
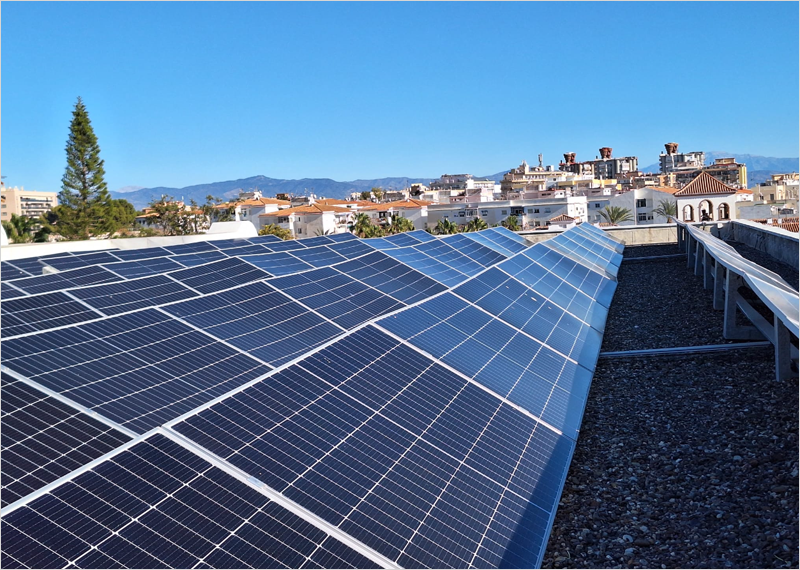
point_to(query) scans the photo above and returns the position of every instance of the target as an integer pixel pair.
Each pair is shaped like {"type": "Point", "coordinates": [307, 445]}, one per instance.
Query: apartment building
{"type": "Point", "coordinates": [604, 166]}
{"type": "Point", "coordinates": [779, 188]}
{"type": "Point", "coordinates": [29, 203]}
{"type": "Point", "coordinates": [529, 213]}
{"type": "Point", "coordinates": [415, 210]}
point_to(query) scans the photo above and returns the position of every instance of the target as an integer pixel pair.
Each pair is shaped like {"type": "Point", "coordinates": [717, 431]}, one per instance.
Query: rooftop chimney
{"type": "Point", "coordinates": [672, 148]}
{"type": "Point", "coordinates": [569, 157]}
{"type": "Point", "coordinates": [605, 152]}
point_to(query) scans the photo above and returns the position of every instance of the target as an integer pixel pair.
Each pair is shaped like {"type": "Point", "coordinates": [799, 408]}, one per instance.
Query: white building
{"type": "Point", "coordinates": [529, 213]}
{"type": "Point", "coordinates": [706, 194]}
{"type": "Point", "coordinates": [415, 210]}
{"type": "Point", "coordinates": [309, 220]}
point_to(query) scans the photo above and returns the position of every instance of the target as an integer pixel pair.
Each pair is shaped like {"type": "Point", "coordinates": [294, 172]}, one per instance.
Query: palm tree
{"type": "Point", "coordinates": [19, 228]}
{"type": "Point", "coordinates": [445, 227]}
{"type": "Point", "coordinates": [401, 224]}
{"type": "Point", "coordinates": [321, 232]}
{"type": "Point", "coordinates": [476, 225]}
{"type": "Point", "coordinates": [667, 210]}
{"type": "Point", "coordinates": [362, 225]}
{"type": "Point", "coordinates": [615, 215]}
{"type": "Point", "coordinates": [511, 223]}
{"type": "Point", "coordinates": [275, 230]}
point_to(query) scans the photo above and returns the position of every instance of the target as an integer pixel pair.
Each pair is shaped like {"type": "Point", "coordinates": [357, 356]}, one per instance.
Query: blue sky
{"type": "Point", "coordinates": [187, 93]}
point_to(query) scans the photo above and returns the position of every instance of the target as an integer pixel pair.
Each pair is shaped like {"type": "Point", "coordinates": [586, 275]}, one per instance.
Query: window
{"type": "Point", "coordinates": [461, 214]}
{"type": "Point", "coordinates": [299, 230]}
{"type": "Point", "coordinates": [597, 204]}
{"type": "Point", "coordinates": [641, 217]}
{"type": "Point", "coordinates": [642, 203]}
{"type": "Point", "coordinates": [503, 212]}
{"type": "Point", "coordinates": [284, 220]}
{"type": "Point", "coordinates": [530, 210]}
{"type": "Point", "coordinates": [484, 212]}
{"type": "Point", "coordinates": [547, 210]}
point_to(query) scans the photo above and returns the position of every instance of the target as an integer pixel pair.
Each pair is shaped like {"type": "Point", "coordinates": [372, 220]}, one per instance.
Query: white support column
{"type": "Point", "coordinates": [698, 256]}
{"type": "Point", "coordinates": [730, 329]}
{"type": "Point", "coordinates": [707, 270]}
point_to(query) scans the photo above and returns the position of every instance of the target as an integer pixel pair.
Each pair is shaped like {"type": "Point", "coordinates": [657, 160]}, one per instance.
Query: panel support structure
{"type": "Point", "coordinates": [731, 330]}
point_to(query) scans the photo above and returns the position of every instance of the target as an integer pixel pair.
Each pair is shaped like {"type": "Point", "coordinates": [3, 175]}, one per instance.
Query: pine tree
{"type": "Point", "coordinates": [84, 196]}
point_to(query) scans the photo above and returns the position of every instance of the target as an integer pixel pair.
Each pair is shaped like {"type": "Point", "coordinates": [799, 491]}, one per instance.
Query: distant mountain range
{"type": "Point", "coordinates": [759, 169]}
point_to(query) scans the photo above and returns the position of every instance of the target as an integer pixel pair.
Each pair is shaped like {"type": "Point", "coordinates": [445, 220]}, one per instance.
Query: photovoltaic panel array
{"type": "Point", "coordinates": [290, 409]}
{"type": "Point", "coordinates": [44, 439]}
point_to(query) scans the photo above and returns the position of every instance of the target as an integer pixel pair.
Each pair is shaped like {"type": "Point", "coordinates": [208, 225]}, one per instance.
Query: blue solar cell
{"type": "Point", "coordinates": [31, 265]}
{"type": "Point", "coordinates": [202, 514]}
{"type": "Point", "coordinates": [336, 296]}
{"type": "Point", "coordinates": [224, 244]}
{"type": "Point", "coordinates": [9, 271]}
{"type": "Point", "coordinates": [342, 237]}
{"type": "Point", "coordinates": [44, 439]}
{"type": "Point", "coordinates": [319, 256]}
{"type": "Point", "coordinates": [351, 248]}
{"type": "Point", "coordinates": [7, 291]}
{"type": "Point", "coordinates": [480, 237]}
{"type": "Point", "coordinates": [474, 250]}
{"type": "Point", "coordinates": [318, 240]}
{"type": "Point", "coordinates": [140, 369]}
{"type": "Point", "coordinates": [580, 254]}
{"type": "Point", "coordinates": [593, 284]}
{"type": "Point", "coordinates": [219, 275]}
{"type": "Point", "coordinates": [194, 259]}
{"type": "Point", "coordinates": [124, 296]}
{"type": "Point", "coordinates": [443, 252]}
{"type": "Point", "coordinates": [259, 320]}
{"type": "Point", "coordinates": [144, 253]}
{"type": "Point", "coordinates": [422, 235]}
{"type": "Point", "coordinates": [80, 260]}
{"type": "Point", "coordinates": [196, 247]}
{"type": "Point", "coordinates": [141, 268]}
{"type": "Point", "coordinates": [42, 312]}
{"type": "Point", "coordinates": [265, 240]}
{"type": "Point", "coordinates": [288, 245]}
{"type": "Point", "coordinates": [403, 240]}
{"type": "Point", "coordinates": [281, 263]}
{"type": "Point", "coordinates": [66, 280]}
{"type": "Point", "coordinates": [427, 265]}
{"type": "Point", "coordinates": [247, 249]}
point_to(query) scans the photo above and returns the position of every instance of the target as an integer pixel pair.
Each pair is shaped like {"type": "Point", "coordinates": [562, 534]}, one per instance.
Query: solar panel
{"type": "Point", "coordinates": [422, 235]}
{"type": "Point", "coordinates": [336, 296]}
{"type": "Point", "coordinates": [380, 243]}
{"type": "Point", "coordinates": [139, 369]}
{"type": "Point", "coordinates": [445, 253]}
{"type": "Point", "coordinates": [605, 254]}
{"type": "Point", "coordinates": [195, 259]}
{"type": "Point", "coordinates": [8, 291]}
{"type": "Point", "coordinates": [80, 260]}
{"type": "Point", "coordinates": [583, 256]}
{"type": "Point", "coordinates": [124, 296]}
{"type": "Point", "coordinates": [30, 265]}
{"type": "Point", "coordinates": [320, 256]}
{"type": "Point", "coordinates": [224, 244]}
{"type": "Point", "coordinates": [280, 263]}
{"type": "Point", "coordinates": [259, 320]}
{"type": "Point", "coordinates": [318, 240]}
{"type": "Point", "coordinates": [65, 280]}
{"type": "Point", "coordinates": [391, 277]}
{"type": "Point", "coordinates": [351, 248]}
{"type": "Point", "coordinates": [143, 253]}
{"type": "Point", "coordinates": [599, 235]}
{"type": "Point", "coordinates": [402, 240]}
{"type": "Point", "coordinates": [508, 234]}
{"type": "Point", "coordinates": [42, 312]}
{"type": "Point", "coordinates": [219, 275]}
{"type": "Point", "coordinates": [288, 245]}
{"type": "Point", "coordinates": [474, 250]}
{"type": "Point", "coordinates": [342, 237]}
{"type": "Point", "coordinates": [481, 238]}
{"type": "Point", "coordinates": [195, 247]}
{"type": "Point", "coordinates": [428, 265]}
{"type": "Point", "coordinates": [524, 309]}
{"type": "Point", "coordinates": [9, 271]}
{"type": "Point", "coordinates": [157, 505]}
{"type": "Point", "coordinates": [265, 239]}
{"type": "Point", "coordinates": [396, 451]}
{"type": "Point", "coordinates": [44, 439]}
{"type": "Point", "coordinates": [596, 285]}
{"type": "Point", "coordinates": [144, 267]}
{"type": "Point", "coordinates": [499, 357]}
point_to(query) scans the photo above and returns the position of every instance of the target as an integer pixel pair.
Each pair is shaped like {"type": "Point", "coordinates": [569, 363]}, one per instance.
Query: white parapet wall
{"type": "Point", "coordinates": [218, 231]}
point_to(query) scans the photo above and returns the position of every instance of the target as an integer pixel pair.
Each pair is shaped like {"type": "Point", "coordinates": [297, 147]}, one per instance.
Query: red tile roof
{"type": "Point", "coordinates": [562, 218]}
{"type": "Point", "coordinates": [398, 205]}
{"type": "Point", "coordinates": [705, 184]}
{"type": "Point", "coordinates": [307, 209]}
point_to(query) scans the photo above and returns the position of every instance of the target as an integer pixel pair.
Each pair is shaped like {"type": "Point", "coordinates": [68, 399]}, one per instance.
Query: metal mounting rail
{"type": "Point", "coordinates": [679, 350]}
{"type": "Point", "coordinates": [649, 257]}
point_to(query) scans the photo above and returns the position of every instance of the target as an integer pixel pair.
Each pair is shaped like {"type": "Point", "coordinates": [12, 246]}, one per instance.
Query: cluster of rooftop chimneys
{"type": "Point", "coordinates": [605, 153]}
{"type": "Point", "coordinates": [672, 148]}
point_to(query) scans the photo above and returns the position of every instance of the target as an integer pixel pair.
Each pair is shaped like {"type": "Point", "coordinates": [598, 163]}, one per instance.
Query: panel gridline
{"type": "Point", "coordinates": [219, 275]}
{"type": "Point", "coordinates": [580, 254]}
{"type": "Point", "coordinates": [66, 280]}
{"type": "Point", "coordinates": [9, 272]}
{"type": "Point", "coordinates": [391, 277]}
{"type": "Point", "coordinates": [9, 292]}
{"type": "Point", "coordinates": [499, 357]}
{"type": "Point", "coordinates": [144, 267]}
{"type": "Point", "coordinates": [395, 450]}
{"type": "Point", "coordinates": [42, 312]}
{"type": "Point", "coordinates": [139, 369]}
{"type": "Point", "coordinates": [124, 296]}
{"type": "Point", "coordinates": [157, 505]}
{"type": "Point", "coordinates": [336, 296]}
{"type": "Point", "coordinates": [43, 439]}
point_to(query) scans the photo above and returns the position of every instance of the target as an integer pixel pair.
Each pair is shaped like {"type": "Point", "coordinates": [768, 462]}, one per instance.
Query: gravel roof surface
{"type": "Point", "coordinates": [789, 273]}
{"type": "Point", "coordinates": [682, 462]}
